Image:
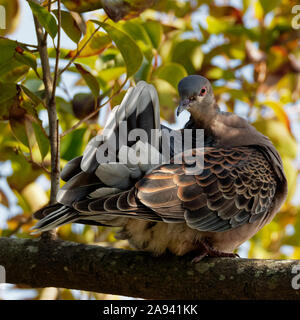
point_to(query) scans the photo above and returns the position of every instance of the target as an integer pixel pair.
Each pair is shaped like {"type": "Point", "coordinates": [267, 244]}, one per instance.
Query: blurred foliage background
{"type": "Point", "coordinates": [248, 49]}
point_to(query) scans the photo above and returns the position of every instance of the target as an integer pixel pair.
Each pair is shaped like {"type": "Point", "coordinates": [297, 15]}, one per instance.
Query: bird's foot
{"type": "Point", "coordinates": [209, 251]}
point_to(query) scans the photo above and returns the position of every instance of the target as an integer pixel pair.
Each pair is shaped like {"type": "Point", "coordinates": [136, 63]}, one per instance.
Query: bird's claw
{"type": "Point", "coordinates": [209, 251]}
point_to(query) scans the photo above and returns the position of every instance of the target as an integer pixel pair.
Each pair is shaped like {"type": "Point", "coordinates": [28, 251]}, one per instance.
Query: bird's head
{"type": "Point", "coordinates": [196, 96]}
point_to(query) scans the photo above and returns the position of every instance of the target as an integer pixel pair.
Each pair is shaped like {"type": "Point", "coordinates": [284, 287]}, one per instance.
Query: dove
{"type": "Point", "coordinates": [207, 207]}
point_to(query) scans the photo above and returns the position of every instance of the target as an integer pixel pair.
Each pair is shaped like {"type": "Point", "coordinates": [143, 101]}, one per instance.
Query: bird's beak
{"type": "Point", "coordinates": [182, 106]}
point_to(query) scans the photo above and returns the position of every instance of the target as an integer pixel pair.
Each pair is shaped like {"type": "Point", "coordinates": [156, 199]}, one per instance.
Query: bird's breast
{"type": "Point", "coordinates": [178, 238]}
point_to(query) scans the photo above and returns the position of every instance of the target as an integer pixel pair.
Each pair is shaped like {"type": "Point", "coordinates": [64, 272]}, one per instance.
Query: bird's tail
{"type": "Point", "coordinates": [53, 216]}
{"type": "Point", "coordinates": [87, 176]}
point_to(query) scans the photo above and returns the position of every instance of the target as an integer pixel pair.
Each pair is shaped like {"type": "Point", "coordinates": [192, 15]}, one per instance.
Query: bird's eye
{"type": "Point", "coordinates": [203, 91]}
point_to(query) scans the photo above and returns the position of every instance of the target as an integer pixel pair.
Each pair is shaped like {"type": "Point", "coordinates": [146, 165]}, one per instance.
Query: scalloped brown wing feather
{"type": "Point", "coordinates": [236, 186]}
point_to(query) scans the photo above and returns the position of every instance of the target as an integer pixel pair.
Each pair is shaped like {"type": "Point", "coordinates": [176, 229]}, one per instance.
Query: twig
{"type": "Point", "coordinates": [26, 44]}
{"type": "Point", "coordinates": [57, 48]}
{"type": "Point", "coordinates": [81, 49]}
{"type": "Point", "coordinates": [46, 4]}
{"type": "Point", "coordinates": [76, 125]}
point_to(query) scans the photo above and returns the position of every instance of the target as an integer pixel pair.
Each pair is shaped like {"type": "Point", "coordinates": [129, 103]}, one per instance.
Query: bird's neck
{"type": "Point", "coordinates": [209, 137]}
{"type": "Point", "coordinates": [203, 118]}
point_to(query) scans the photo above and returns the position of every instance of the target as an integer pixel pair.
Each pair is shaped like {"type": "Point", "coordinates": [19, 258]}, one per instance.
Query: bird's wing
{"type": "Point", "coordinates": [236, 186]}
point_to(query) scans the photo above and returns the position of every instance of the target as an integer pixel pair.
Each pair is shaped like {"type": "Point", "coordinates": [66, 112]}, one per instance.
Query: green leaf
{"type": "Point", "coordinates": [189, 54]}
{"type": "Point", "coordinates": [69, 25]}
{"type": "Point", "coordinates": [167, 99]}
{"type": "Point", "coordinates": [12, 70]}
{"type": "Point", "coordinates": [27, 58]}
{"type": "Point", "coordinates": [33, 96]}
{"type": "Point", "coordinates": [72, 144]}
{"type": "Point", "coordinates": [8, 96]}
{"type": "Point", "coordinates": [98, 43]}
{"type": "Point", "coordinates": [217, 26]}
{"type": "Point", "coordinates": [45, 18]}
{"type": "Point", "coordinates": [107, 75]}
{"type": "Point", "coordinates": [140, 36]}
{"type": "Point", "coordinates": [278, 109]}
{"type": "Point", "coordinates": [19, 124]}
{"type": "Point", "coordinates": [130, 51]}
{"type": "Point", "coordinates": [23, 172]}
{"type": "Point", "coordinates": [41, 138]}
{"type": "Point", "coordinates": [144, 72]}
{"type": "Point", "coordinates": [171, 72]}
{"type": "Point", "coordinates": [155, 32]}
{"type": "Point", "coordinates": [268, 5]}
{"type": "Point", "coordinates": [280, 136]}
{"type": "Point", "coordinates": [90, 80]}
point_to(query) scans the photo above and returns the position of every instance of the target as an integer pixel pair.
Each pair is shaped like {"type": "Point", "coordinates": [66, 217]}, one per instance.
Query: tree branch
{"type": "Point", "coordinates": [50, 89]}
{"type": "Point", "coordinates": [38, 263]}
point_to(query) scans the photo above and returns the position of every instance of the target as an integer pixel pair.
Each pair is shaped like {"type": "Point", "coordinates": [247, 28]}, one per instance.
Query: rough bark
{"type": "Point", "coordinates": [39, 263]}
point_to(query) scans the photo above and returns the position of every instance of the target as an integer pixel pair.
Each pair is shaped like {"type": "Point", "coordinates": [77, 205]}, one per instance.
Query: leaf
{"type": "Point", "coordinates": [144, 72]}
{"type": "Point", "coordinates": [41, 138]}
{"type": "Point", "coordinates": [90, 80]}
{"type": "Point", "coordinates": [171, 72]}
{"type": "Point", "coordinates": [23, 172]}
{"type": "Point", "coordinates": [268, 5]}
{"type": "Point", "coordinates": [3, 199]}
{"type": "Point", "coordinates": [187, 53]}
{"type": "Point", "coordinates": [34, 196]}
{"type": "Point", "coordinates": [98, 43]}
{"type": "Point", "coordinates": [8, 96]}
{"type": "Point", "coordinates": [45, 18]}
{"type": "Point", "coordinates": [130, 51]}
{"type": "Point", "coordinates": [25, 124]}
{"type": "Point", "coordinates": [26, 58]}
{"type": "Point", "coordinates": [167, 99]}
{"type": "Point", "coordinates": [280, 136]}
{"type": "Point", "coordinates": [107, 75]}
{"type": "Point", "coordinates": [155, 32]}
{"type": "Point", "coordinates": [19, 123]}
{"type": "Point", "coordinates": [13, 69]}
{"type": "Point", "coordinates": [116, 10]}
{"type": "Point", "coordinates": [140, 36]}
{"type": "Point", "coordinates": [69, 25]}
{"type": "Point", "coordinates": [217, 26]}
{"type": "Point", "coordinates": [33, 96]}
{"type": "Point", "coordinates": [280, 113]}
{"type": "Point", "coordinates": [72, 144]}
{"type": "Point", "coordinates": [258, 10]}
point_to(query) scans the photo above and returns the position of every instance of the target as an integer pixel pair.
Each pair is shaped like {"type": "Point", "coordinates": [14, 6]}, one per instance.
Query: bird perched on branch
{"type": "Point", "coordinates": [238, 186]}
